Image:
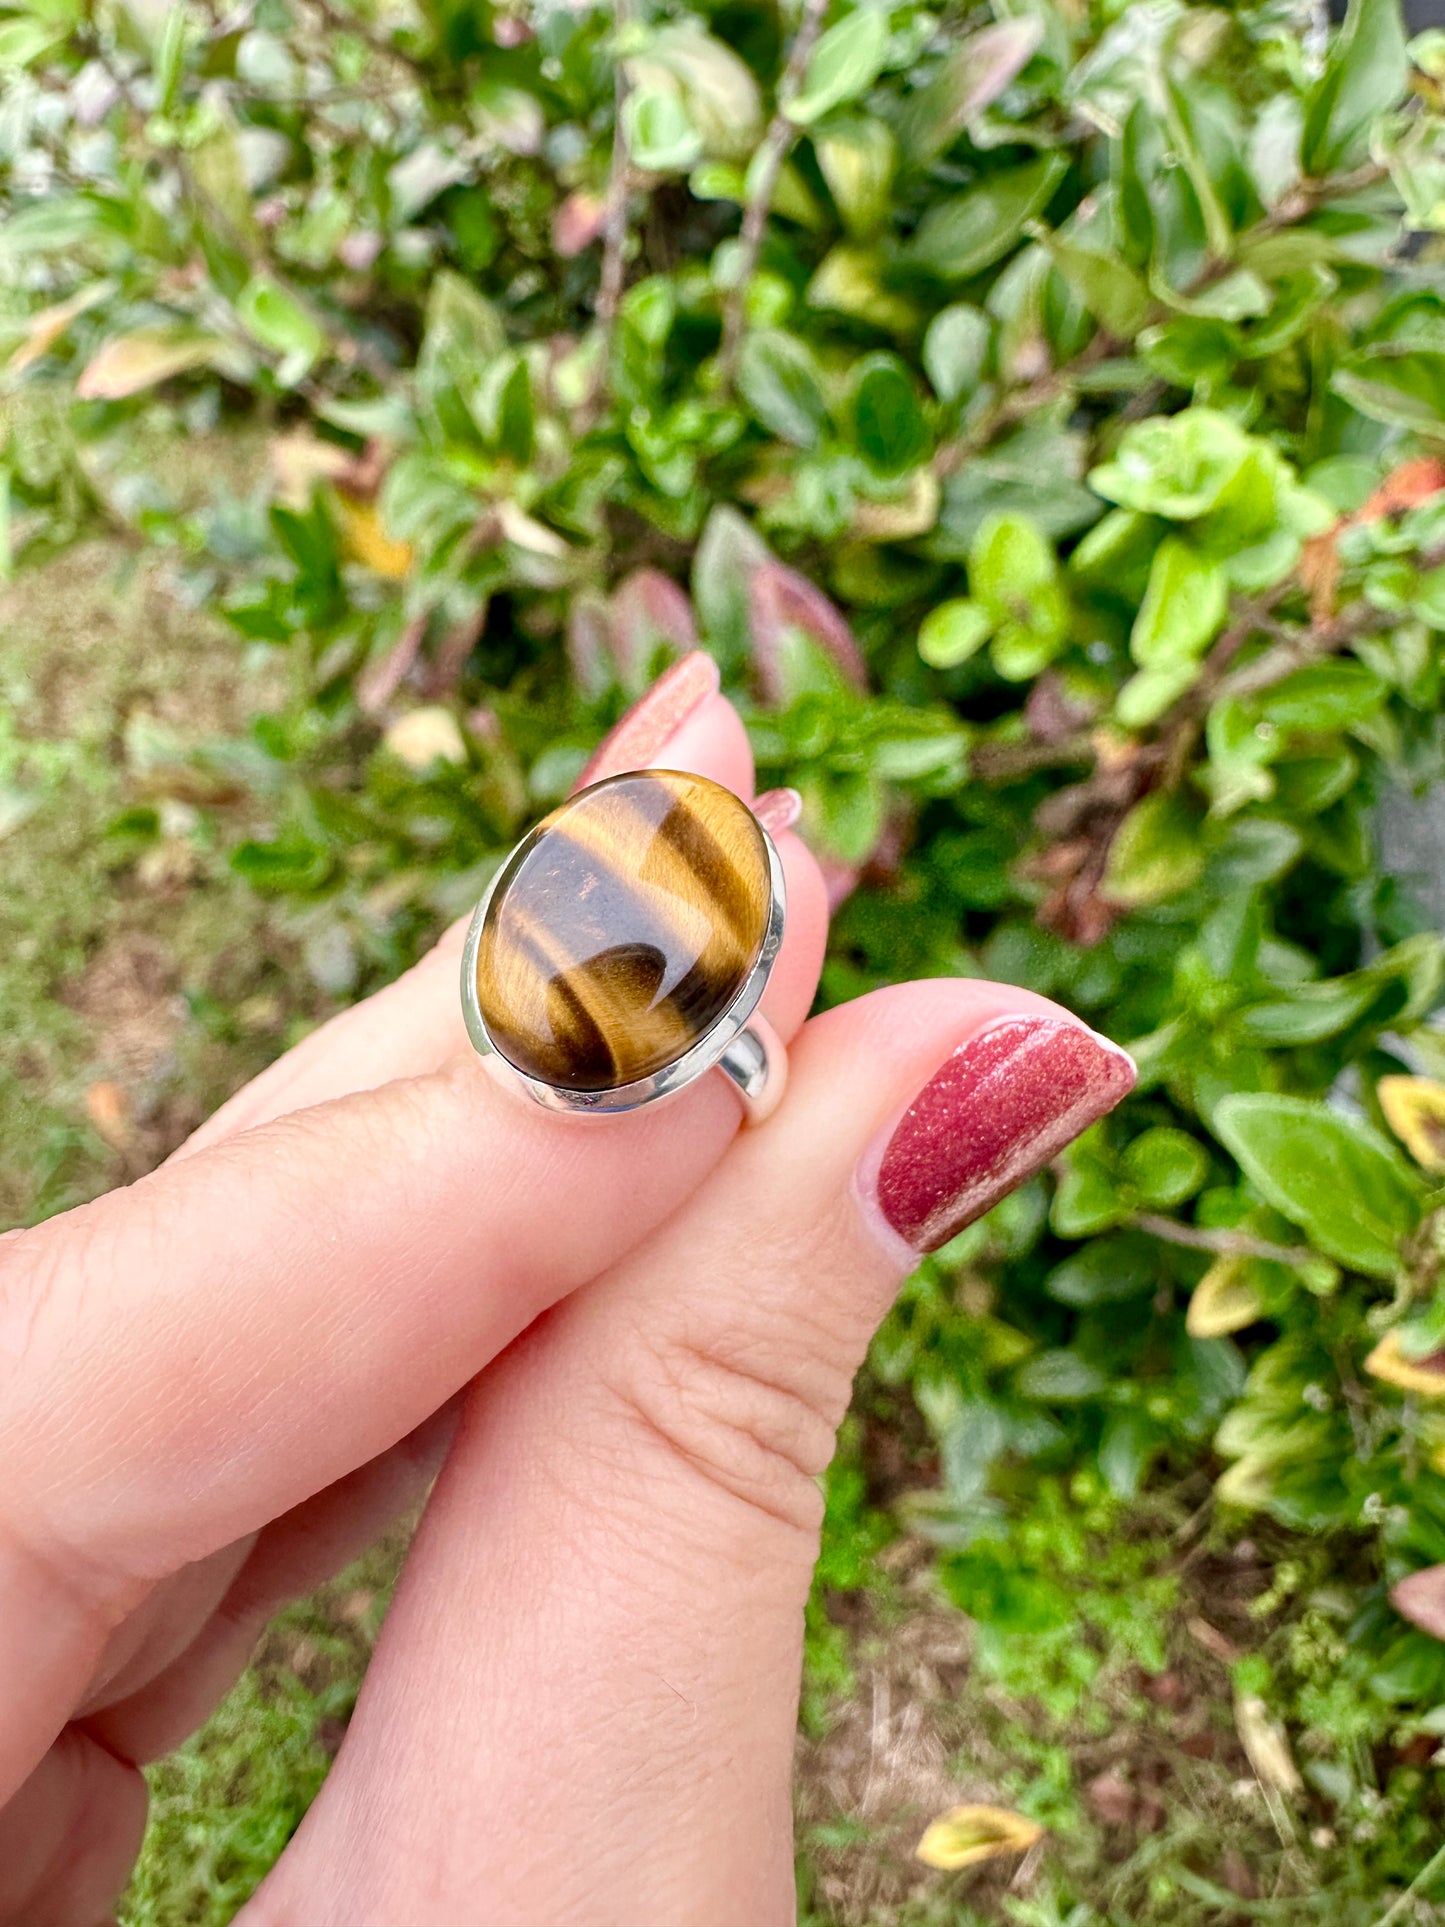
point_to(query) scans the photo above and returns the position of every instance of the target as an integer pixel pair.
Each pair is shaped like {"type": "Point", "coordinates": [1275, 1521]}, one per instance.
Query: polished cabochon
{"type": "Point", "coordinates": [626, 940]}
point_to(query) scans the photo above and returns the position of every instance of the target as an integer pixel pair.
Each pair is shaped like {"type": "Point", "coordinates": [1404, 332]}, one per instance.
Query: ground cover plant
{"type": "Point", "coordinates": [1038, 413]}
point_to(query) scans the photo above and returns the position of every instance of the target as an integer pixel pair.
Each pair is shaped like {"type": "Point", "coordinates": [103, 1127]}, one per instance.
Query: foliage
{"type": "Point", "coordinates": [1044, 416]}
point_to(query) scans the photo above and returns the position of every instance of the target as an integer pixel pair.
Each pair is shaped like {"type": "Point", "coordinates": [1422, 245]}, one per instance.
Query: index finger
{"type": "Point", "coordinates": [181, 1362]}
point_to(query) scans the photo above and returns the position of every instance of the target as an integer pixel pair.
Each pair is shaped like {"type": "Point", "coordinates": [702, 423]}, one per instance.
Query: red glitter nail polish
{"type": "Point", "coordinates": [1001, 1106]}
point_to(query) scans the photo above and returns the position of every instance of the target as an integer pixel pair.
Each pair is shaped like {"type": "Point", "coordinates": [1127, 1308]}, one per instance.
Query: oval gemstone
{"type": "Point", "coordinates": [622, 928]}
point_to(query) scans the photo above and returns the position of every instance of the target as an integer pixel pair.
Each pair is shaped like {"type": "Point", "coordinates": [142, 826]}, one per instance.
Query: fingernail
{"type": "Point", "coordinates": [996, 1111]}
{"type": "Point", "coordinates": [637, 741]}
{"type": "Point", "coordinates": [778, 810]}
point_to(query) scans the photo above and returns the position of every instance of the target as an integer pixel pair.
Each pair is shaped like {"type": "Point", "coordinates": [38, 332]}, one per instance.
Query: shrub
{"type": "Point", "coordinates": [1040, 421]}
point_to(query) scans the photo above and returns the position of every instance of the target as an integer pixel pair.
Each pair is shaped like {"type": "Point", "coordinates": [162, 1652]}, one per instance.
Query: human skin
{"type": "Point", "coordinates": [626, 1344]}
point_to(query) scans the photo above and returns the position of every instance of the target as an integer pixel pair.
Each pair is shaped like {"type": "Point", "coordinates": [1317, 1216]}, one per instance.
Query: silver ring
{"type": "Point", "coordinates": [621, 951]}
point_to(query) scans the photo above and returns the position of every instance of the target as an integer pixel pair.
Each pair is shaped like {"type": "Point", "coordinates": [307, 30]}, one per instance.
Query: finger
{"type": "Point", "coordinates": [185, 1646]}
{"type": "Point", "coordinates": [73, 1830]}
{"type": "Point", "coordinates": [673, 1419]}
{"type": "Point", "coordinates": [415, 1024]}
{"type": "Point", "coordinates": [159, 1631]}
{"type": "Point", "coordinates": [152, 1710]}
{"type": "Point", "coordinates": [70, 1838]}
{"type": "Point", "coordinates": [199, 1354]}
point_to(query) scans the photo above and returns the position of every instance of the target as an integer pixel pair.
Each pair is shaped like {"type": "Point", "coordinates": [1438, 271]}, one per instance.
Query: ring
{"type": "Point", "coordinates": [621, 950]}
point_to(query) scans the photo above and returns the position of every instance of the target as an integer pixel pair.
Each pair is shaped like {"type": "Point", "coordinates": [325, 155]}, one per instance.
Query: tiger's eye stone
{"type": "Point", "coordinates": [622, 928]}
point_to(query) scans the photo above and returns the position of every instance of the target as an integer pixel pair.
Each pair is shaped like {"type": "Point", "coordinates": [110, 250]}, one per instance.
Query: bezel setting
{"type": "Point", "coordinates": [701, 1057]}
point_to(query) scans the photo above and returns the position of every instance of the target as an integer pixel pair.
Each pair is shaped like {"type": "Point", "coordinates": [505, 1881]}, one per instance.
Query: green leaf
{"type": "Point", "coordinates": [1165, 1166]}
{"type": "Point", "coordinates": [1145, 697]}
{"type": "Point", "coordinates": [1022, 650]}
{"type": "Point", "coordinates": [1010, 561]}
{"type": "Point", "coordinates": [170, 55]}
{"type": "Point", "coordinates": [1032, 472]}
{"type": "Point", "coordinates": [1060, 1378]}
{"type": "Point", "coordinates": [849, 812]}
{"type": "Point", "coordinates": [660, 136]}
{"type": "Point", "coordinates": [460, 324]}
{"type": "Point", "coordinates": [955, 349]}
{"type": "Point", "coordinates": [729, 551]}
{"type": "Point", "coordinates": [970, 79]}
{"type": "Point", "coordinates": [858, 158]}
{"type": "Point", "coordinates": [1176, 466]}
{"type": "Point", "coordinates": [23, 41]}
{"type": "Point", "coordinates": [850, 281]}
{"type": "Point", "coordinates": [1126, 1447]}
{"type": "Point", "coordinates": [1240, 296]}
{"type": "Point", "coordinates": [1308, 1014]}
{"type": "Point", "coordinates": [286, 867]}
{"type": "Point", "coordinates": [1365, 75]}
{"type": "Point", "coordinates": [845, 63]}
{"type": "Point", "coordinates": [719, 90]}
{"type": "Point", "coordinates": [1322, 696]}
{"type": "Point", "coordinates": [953, 632]}
{"type": "Point", "coordinates": [1106, 1271]}
{"type": "Point", "coordinates": [1329, 1173]}
{"type": "Point", "coordinates": [779, 380]}
{"type": "Point", "coordinates": [277, 320]}
{"type": "Point", "coordinates": [1396, 384]}
{"type": "Point", "coordinates": [1088, 1198]}
{"type": "Point", "coordinates": [959, 237]}
{"type": "Point", "coordinates": [1184, 606]}
{"type": "Point", "coordinates": [1183, 101]}
{"type": "Point", "coordinates": [1107, 286]}
{"type": "Point", "coordinates": [888, 422]}
{"type": "Point", "coordinates": [1156, 852]}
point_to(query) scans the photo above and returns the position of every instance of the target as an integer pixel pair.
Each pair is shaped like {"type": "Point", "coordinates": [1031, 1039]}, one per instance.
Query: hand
{"type": "Point", "coordinates": [217, 1386]}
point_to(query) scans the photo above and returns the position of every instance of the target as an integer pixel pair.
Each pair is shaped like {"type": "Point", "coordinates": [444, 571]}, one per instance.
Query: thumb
{"type": "Point", "coordinates": [632, 1509]}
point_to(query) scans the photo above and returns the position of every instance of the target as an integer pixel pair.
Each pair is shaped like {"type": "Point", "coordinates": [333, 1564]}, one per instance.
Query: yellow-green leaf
{"type": "Point", "coordinates": [47, 327]}
{"type": "Point", "coordinates": [1425, 1377]}
{"type": "Point", "coordinates": [365, 540]}
{"type": "Point", "coordinates": [131, 363]}
{"type": "Point", "coordinates": [1414, 1109]}
{"type": "Point", "coordinates": [1226, 1299]}
{"type": "Point", "coordinates": [424, 737]}
{"type": "Point", "coordinates": [1267, 1745]}
{"type": "Point", "coordinates": [1156, 852]}
{"type": "Point", "coordinates": [964, 1836]}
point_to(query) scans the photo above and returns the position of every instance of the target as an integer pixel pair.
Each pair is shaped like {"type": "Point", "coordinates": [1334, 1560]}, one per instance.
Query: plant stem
{"type": "Point", "coordinates": [1397, 1906]}
{"type": "Point", "coordinates": [1224, 1243]}
{"type": "Point", "coordinates": [1017, 403]}
{"type": "Point", "coordinates": [614, 232]}
{"type": "Point", "coordinates": [340, 21]}
{"type": "Point", "coordinates": [776, 142]}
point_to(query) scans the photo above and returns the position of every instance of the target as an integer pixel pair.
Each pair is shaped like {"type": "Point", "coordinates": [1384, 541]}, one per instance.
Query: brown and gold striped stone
{"type": "Point", "coordinates": [622, 928]}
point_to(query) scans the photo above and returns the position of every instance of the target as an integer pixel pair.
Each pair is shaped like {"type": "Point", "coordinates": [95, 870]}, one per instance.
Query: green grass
{"type": "Point", "coordinates": [130, 957]}
{"type": "Point", "coordinates": [225, 1805]}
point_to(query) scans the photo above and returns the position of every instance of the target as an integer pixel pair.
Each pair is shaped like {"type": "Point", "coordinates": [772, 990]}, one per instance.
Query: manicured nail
{"type": "Point", "coordinates": [778, 810]}
{"type": "Point", "coordinates": [1001, 1106]}
{"type": "Point", "coordinates": [638, 740]}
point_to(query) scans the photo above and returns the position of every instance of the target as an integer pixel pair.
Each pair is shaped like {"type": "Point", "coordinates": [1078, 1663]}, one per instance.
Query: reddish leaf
{"type": "Point", "coordinates": [577, 223]}
{"type": "Point", "coordinates": [1421, 1599]}
{"type": "Point", "coordinates": [779, 600]}
{"type": "Point", "coordinates": [1404, 488]}
{"type": "Point", "coordinates": [648, 612]}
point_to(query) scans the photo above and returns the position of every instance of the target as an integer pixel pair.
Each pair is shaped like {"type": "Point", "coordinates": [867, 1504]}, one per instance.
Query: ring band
{"type": "Point", "coordinates": [622, 949]}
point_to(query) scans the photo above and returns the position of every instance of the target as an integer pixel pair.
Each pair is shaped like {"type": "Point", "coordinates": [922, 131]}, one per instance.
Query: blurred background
{"type": "Point", "coordinates": [1037, 411]}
